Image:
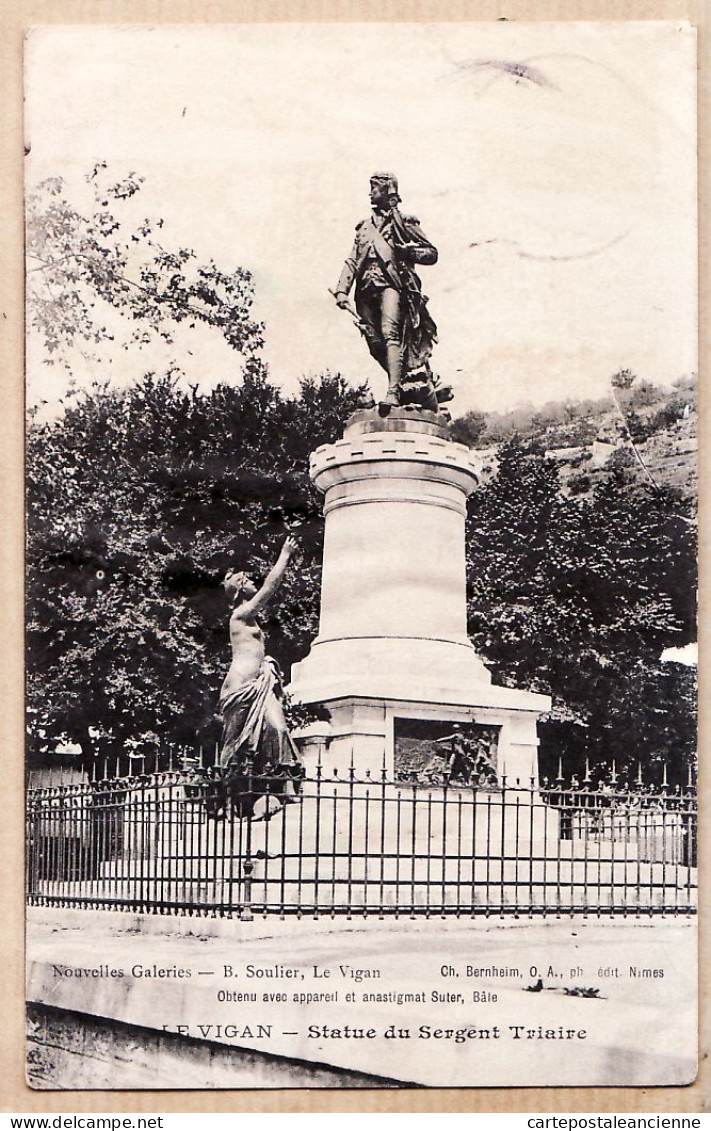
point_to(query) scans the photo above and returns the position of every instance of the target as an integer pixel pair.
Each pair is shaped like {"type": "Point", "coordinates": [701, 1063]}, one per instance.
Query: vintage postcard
{"type": "Point", "coordinates": [361, 555]}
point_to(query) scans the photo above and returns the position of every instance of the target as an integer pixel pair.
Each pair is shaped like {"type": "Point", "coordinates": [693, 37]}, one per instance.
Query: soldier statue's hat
{"type": "Point", "coordinates": [389, 180]}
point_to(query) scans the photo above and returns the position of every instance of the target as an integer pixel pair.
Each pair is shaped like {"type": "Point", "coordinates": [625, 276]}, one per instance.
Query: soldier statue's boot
{"type": "Point", "coordinates": [392, 397]}
{"type": "Point", "coordinates": [390, 400]}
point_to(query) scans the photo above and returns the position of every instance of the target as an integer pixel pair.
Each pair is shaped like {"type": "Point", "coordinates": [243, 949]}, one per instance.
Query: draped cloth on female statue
{"type": "Point", "coordinates": [258, 755]}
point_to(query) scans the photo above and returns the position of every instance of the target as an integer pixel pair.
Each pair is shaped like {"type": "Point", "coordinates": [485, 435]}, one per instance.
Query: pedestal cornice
{"type": "Point", "coordinates": [390, 454]}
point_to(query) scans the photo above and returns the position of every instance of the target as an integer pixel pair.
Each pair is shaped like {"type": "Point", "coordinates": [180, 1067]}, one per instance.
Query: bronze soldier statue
{"type": "Point", "coordinates": [390, 309]}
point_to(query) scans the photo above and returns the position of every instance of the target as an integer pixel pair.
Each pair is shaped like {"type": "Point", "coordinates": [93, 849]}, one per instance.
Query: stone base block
{"type": "Point", "coordinates": [362, 730]}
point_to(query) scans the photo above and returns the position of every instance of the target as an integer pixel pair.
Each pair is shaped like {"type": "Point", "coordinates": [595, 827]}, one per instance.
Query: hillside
{"type": "Point", "coordinates": [646, 427]}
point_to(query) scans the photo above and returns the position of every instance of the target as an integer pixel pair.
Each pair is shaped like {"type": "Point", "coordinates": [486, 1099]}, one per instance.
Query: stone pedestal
{"type": "Point", "coordinates": [392, 639]}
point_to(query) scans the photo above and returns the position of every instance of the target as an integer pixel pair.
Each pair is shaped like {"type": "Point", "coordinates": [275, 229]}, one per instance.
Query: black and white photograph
{"type": "Point", "coordinates": [361, 555]}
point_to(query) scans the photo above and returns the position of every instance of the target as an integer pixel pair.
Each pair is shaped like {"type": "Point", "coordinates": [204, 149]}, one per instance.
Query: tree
{"type": "Point", "coordinates": [100, 274]}
{"type": "Point", "coordinates": [578, 597]}
{"type": "Point", "coordinates": [470, 428]}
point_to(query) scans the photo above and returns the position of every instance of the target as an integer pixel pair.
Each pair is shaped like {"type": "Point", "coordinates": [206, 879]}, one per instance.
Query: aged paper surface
{"type": "Point", "coordinates": [445, 959]}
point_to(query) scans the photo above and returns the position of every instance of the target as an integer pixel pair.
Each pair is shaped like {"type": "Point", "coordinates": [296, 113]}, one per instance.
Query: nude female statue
{"type": "Point", "coordinates": [258, 756]}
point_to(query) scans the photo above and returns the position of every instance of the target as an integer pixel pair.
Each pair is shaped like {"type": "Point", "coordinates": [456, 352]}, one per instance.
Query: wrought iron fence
{"type": "Point", "coordinates": [185, 841]}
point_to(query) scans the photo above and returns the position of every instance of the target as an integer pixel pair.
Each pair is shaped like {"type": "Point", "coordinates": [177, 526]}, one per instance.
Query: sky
{"type": "Point", "coordinates": [552, 164]}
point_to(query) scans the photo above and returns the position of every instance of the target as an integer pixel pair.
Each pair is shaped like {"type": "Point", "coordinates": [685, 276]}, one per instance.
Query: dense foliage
{"type": "Point", "coordinates": [579, 597]}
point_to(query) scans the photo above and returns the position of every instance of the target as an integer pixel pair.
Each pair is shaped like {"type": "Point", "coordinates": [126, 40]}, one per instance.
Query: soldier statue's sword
{"type": "Point", "coordinates": [350, 309]}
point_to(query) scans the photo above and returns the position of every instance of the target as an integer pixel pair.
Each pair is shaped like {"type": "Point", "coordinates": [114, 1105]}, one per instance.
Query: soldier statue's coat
{"type": "Point", "coordinates": [371, 241]}
{"type": "Point", "coordinates": [392, 309]}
